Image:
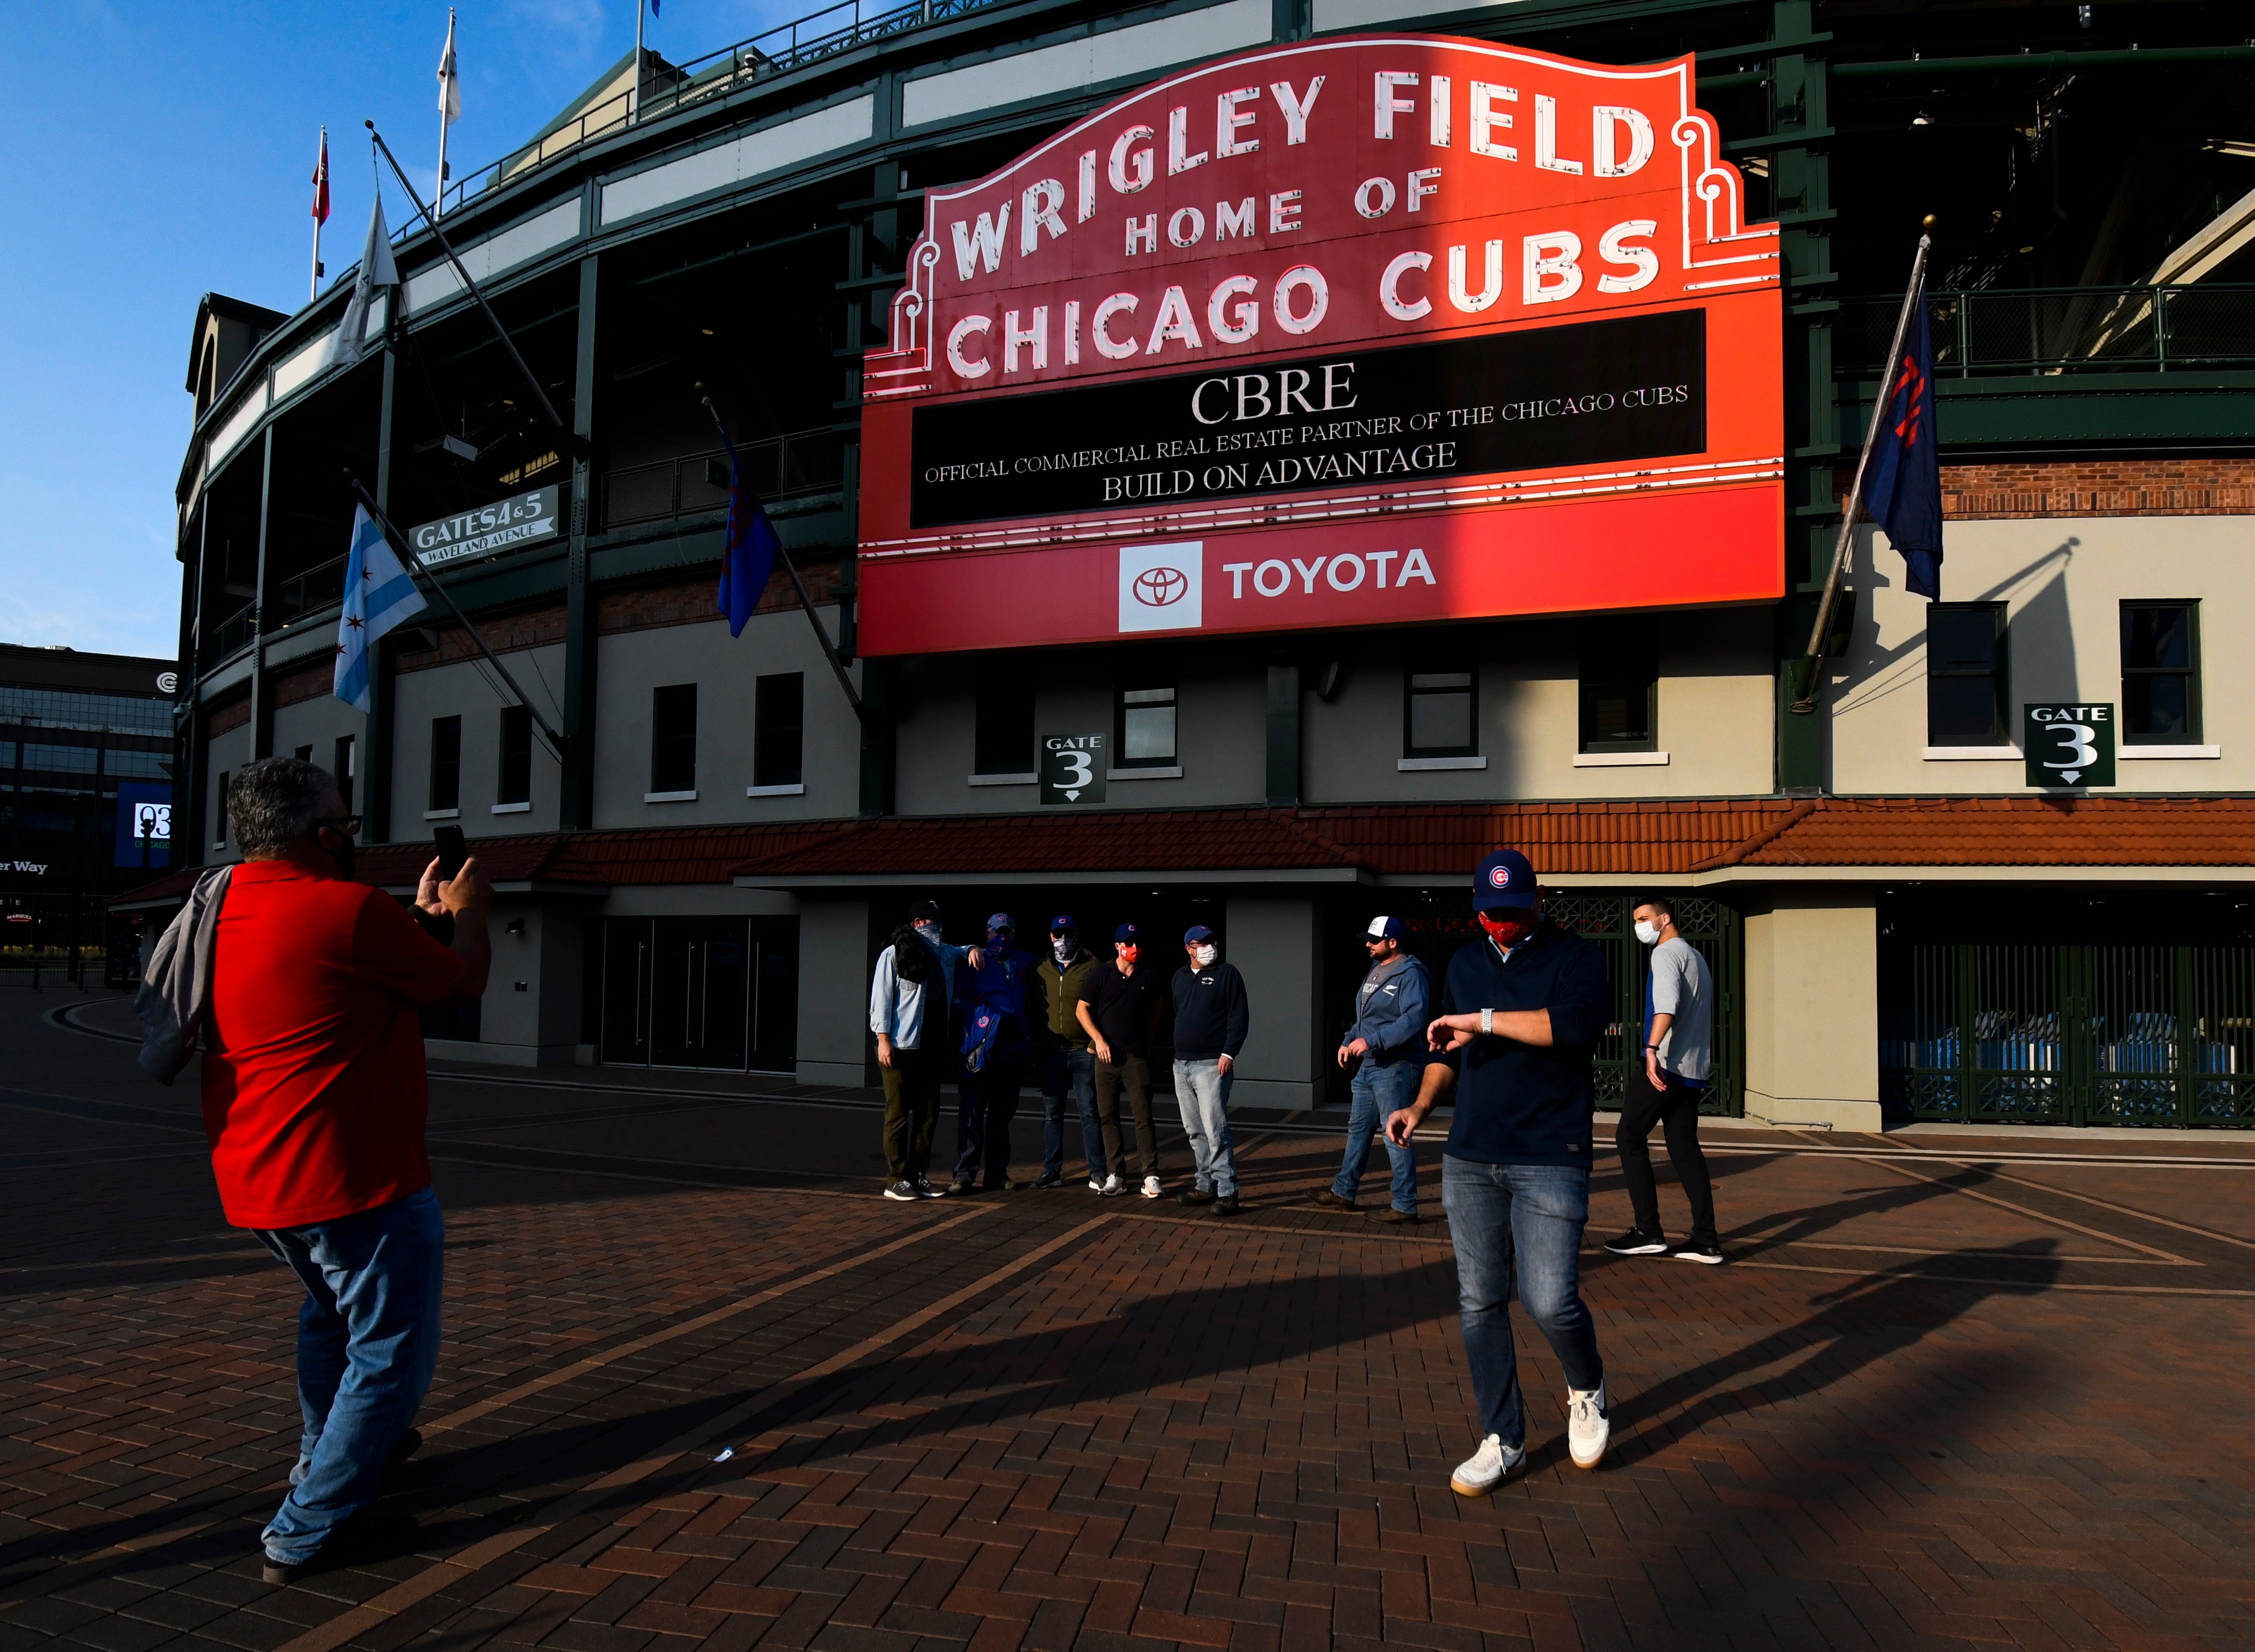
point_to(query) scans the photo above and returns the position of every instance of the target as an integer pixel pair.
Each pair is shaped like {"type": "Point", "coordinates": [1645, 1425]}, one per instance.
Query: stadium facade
{"type": "Point", "coordinates": [1910, 915]}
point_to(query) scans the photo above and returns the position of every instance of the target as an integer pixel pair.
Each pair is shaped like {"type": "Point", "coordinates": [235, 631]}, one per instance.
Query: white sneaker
{"type": "Point", "coordinates": [1486, 1468]}
{"type": "Point", "coordinates": [1151, 1188]}
{"type": "Point", "coordinates": [1112, 1189]}
{"type": "Point", "coordinates": [1587, 1427]}
{"type": "Point", "coordinates": [1095, 1185]}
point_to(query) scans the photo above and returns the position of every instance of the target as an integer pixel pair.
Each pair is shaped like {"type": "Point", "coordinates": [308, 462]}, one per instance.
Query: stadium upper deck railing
{"type": "Point", "coordinates": [668, 88]}
{"type": "Point", "coordinates": [2063, 330]}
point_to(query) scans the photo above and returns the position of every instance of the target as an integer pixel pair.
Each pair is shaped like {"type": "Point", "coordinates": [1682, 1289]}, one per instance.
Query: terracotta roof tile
{"type": "Point", "coordinates": [2017, 832]}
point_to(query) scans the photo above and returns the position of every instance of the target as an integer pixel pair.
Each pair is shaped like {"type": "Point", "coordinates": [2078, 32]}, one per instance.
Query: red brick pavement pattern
{"type": "Point", "coordinates": [1932, 1404]}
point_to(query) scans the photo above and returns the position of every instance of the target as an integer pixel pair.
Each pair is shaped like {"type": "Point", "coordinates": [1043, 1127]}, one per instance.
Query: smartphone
{"type": "Point", "coordinates": [451, 852]}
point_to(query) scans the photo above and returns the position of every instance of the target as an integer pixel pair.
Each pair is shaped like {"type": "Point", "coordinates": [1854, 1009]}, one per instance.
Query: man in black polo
{"type": "Point", "coordinates": [1119, 1009]}
{"type": "Point", "coordinates": [1522, 1010]}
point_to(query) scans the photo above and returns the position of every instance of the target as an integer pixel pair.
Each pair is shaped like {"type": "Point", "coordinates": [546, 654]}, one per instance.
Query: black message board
{"type": "Point", "coordinates": [1591, 393]}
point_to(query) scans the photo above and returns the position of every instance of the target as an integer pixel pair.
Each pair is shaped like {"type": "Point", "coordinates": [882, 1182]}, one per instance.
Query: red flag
{"type": "Point", "coordinates": [322, 181]}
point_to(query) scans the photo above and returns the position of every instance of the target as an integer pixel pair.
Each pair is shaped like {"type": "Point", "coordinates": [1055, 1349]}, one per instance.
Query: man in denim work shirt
{"type": "Point", "coordinates": [1522, 1008]}
{"type": "Point", "coordinates": [1388, 1039]}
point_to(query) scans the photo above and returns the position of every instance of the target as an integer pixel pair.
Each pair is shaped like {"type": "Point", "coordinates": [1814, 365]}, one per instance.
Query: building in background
{"type": "Point", "coordinates": [86, 767]}
{"type": "Point", "coordinates": [1909, 914]}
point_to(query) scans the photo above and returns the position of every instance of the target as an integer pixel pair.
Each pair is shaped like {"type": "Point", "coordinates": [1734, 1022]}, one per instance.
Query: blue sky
{"type": "Point", "coordinates": [167, 153]}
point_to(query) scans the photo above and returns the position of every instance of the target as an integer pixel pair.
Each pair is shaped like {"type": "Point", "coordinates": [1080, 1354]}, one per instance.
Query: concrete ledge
{"type": "Point", "coordinates": [1786, 1111]}
{"type": "Point", "coordinates": [507, 1055]}
{"type": "Point", "coordinates": [1258, 1092]}
{"type": "Point", "coordinates": [832, 1074]}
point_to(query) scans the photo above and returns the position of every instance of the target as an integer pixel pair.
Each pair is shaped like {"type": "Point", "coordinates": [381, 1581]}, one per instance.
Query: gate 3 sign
{"type": "Point", "coordinates": [1365, 330]}
{"type": "Point", "coordinates": [2068, 745]}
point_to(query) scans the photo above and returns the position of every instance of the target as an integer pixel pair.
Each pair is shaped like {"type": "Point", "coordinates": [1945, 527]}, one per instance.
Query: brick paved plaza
{"type": "Point", "coordinates": [1937, 1399]}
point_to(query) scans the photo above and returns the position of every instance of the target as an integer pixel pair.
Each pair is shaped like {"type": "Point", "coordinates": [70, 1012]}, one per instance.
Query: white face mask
{"type": "Point", "coordinates": [1645, 934]}
{"type": "Point", "coordinates": [1202, 956]}
{"type": "Point", "coordinates": [1065, 946]}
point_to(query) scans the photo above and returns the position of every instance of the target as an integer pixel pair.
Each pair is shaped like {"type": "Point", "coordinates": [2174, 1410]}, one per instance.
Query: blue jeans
{"type": "Point", "coordinates": [1533, 1213]}
{"type": "Point", "coordinates": [368, 1341]}
{"type": "Point", "coordinates": [1379, 1092]}
{"type": "Point", "coordinates": [1073, 1069]}
{"type": "Point", "coordinates": [1202, 1094]}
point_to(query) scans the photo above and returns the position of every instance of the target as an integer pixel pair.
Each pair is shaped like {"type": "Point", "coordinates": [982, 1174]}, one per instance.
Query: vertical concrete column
{"type": "Point", "coordinates": [1812, 1010]}
{"type": "Point", "coordinates": [834, 991]}
{"type": "Point", "coordinates": [375, 800]}
{"type": "Point", "coordinates": [577, 803]}
{"type": "Point", "coordinates": [261, 692]}
{"type": "Point", "coordinates": [1273, 939]}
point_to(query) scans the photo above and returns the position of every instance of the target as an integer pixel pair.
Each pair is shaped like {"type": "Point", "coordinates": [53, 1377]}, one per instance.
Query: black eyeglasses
{"type": "Point", "coordinates": [348, 824]}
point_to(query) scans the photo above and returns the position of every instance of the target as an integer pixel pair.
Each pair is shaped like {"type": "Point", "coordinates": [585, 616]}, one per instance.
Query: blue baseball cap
{"type": "Point", "coordinates": [1195, 933]}
{"type": "Point", "coordinates": [1127, 932]}
{"type": "Point", "coordinates": [1505, 878]}
{"type": "Point", "coordinates": [1383, 929]}
{"type": "Point", "coordinates": [1062, 925]}
{"type": "Point", "coordinates": [997, 922]}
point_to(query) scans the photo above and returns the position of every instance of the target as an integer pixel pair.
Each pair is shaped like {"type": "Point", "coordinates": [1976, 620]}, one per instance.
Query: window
{"type": "Point", "coordinates": [138, 765]}
{"type": "Point", "coordinates": [219, 821]}
{"type": "Point", "coordinates": [1437, 718]}
{"type": "Point", "coordinates": [673, 739]}
{"type": "Point", "coordinates": [304, 754]}
{"type": "Point", "coordinates": [2160, 673]}
{"type": "Point", "coordinates": [1620, 688]}
{"type": "Point", "coordinates": [778, 729]}
{"type": "Point", "coordinates": [1002, 731]}
{"type": "Point", "coordinates": [1145, 738]}
{"type": "Point", "coordinates": [515, 781]}
{"type": "Point", "coordinates": [1966, 679]}
{"type": "Point", "coordinates": [445, 763]}
{"type": "Point", "coordinates": [341, 772]}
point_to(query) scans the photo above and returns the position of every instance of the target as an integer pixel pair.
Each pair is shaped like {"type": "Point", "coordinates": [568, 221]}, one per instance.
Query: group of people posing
{"type": "Point", "coordinates": [1507, 1041]}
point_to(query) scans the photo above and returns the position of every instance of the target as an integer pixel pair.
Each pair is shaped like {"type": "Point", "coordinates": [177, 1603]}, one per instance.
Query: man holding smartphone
{"type": "Point", "coordinates": [1522, 1008]}
{"type": "Point", "coordinates": [315, 1102]}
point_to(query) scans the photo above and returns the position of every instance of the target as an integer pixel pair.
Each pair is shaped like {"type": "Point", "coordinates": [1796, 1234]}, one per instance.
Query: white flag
{"type": "Point", "coordinates": [377, 270]}
{"type": "Point", "coordinates": [379, 594]}
{"type": "Point", "coordinates": [450, 85]}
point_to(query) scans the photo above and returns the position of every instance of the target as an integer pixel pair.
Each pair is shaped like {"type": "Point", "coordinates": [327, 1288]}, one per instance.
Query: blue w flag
{"type": "Point", "coordinates": [748, 554]}
{"type": "Point", "coordinates": [1902, 489]}
{"type": "Point", "coordinates": [379, 594]}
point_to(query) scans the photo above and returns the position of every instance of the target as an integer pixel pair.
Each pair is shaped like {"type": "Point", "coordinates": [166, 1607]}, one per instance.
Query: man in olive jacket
{"type": "Point", "coordinates": [1061, 1047]}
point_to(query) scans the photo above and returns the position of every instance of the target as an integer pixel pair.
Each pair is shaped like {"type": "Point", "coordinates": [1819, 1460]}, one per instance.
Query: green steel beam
{"type": "Point", "coordinates": [2046, 62]}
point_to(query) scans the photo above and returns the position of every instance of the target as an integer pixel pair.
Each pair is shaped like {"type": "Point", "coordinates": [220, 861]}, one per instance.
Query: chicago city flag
{"type": "Point", "coordinates": [1902, 490]}
{"type": "Point", "coordinates": [379, 594]}
{"type": "Point", "coordinates": [748, 550]}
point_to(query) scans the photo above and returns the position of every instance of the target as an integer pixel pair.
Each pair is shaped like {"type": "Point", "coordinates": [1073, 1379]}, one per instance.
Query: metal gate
{"type": "Point", "coordinates": [2155, 1036]}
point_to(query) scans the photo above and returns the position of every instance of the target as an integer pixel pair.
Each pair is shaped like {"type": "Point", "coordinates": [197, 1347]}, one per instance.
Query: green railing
{"type": "Point", "coordinates": [2154, 1035]}
{"type": "Point", "coordinates": [2056, 330]}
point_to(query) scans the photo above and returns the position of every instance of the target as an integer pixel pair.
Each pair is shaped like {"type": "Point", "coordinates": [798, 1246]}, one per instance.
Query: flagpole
{"type": "Point", "coordinates": [1807, 703]}
{"type": "Point", "coordinates": [446, 119]}
{"type": "Point", "coordinates": [313, 282]}
{"type": "Point", "coordinates": [634, 98]}
{"type": "Point", "coordinates": [806, 598]}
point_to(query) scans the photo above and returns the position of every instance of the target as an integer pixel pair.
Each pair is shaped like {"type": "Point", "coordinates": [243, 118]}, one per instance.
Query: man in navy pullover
{"type": "Point", "coordinates": [1521, 1010]}
{"type": "Point", "coordinates": [1210, 1021]}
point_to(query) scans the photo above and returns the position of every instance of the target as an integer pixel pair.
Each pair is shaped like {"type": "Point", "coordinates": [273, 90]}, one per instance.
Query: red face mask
{"type": "Point", "coordinates": [1511, 931]}
{"type": "Point", "coordinates": [1129, 952]}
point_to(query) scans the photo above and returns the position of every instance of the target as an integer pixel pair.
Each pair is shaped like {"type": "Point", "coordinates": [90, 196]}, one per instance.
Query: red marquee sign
{"type": "Point", "coordinates": [1362, 331]}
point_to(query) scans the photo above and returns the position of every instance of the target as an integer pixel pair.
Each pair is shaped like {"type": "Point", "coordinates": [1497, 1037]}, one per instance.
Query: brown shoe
{"type": "Point", "coordinates": [1390, 1214]}
{"type": "Point", "coordinates": [1324, 1198]}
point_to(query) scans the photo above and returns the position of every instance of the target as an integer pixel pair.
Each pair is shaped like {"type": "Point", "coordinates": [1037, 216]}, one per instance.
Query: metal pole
{"type": "Point", "coordinates": [539, 396]}
{"type": "Point", "coordinates": [439, 194]}
{"type": "Point", "coordinates": [313, 281]}
{"type": "Point", "coordinates": [414, 565]}
{"type": "Point", "coordinates": [634, 96]}
{"type": "Point", "coordinates": [1808, 700]}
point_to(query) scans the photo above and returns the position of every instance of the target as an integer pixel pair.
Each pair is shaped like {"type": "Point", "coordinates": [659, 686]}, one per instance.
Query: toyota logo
{"type": "Point", "coordinates": [1161, 588]}
{"type": "Point", "coordinates": [1500, 876]}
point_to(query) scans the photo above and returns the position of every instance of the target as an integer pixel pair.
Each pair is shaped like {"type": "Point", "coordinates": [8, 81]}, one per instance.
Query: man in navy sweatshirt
{"type": "Point", "coordinates": [1522, 1010]}
{"type": "Point", "coordinates": [1211, 1019]}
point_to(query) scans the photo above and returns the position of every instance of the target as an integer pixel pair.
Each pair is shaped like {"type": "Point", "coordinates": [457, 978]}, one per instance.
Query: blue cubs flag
{"type": "Point", "coordinates": [748, 553]}
{"type": "Point", "coordinates": [1902, 489]}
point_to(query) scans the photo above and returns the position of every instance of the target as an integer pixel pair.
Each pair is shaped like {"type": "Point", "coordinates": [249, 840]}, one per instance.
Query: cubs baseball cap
{"type": "Point", "coordinates": [1505, 878]}
{"type": "Point", "coordinates": [1196, 933]}
{"type": "Point", "coordinates": [1127, 932]}
{"type": "Point", "coordinates": [997, 922]}
{"type": "Point", "coordinates": [1384, 929]}
{"type": "Point", "coordinates": [1062, 925]}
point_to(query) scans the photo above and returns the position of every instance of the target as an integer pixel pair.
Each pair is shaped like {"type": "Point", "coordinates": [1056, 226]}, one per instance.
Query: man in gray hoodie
{"type": "Point", "coordinates": [1388, 1037]}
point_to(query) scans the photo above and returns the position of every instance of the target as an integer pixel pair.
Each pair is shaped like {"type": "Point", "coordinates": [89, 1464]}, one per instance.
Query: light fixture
{"type": "Point", "coordinates": [706, 331]}
{"type": "Point", "coordinates": [2083, 14]}
{"type": "Point", "coordinates": [1920, 119]}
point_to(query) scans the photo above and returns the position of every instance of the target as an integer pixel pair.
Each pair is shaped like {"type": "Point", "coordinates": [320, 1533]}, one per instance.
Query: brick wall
{"type": "Point", "coordinates": [2100, 487]}
{"type": "Point", "coordinates": [309, 681]}
{"type": "Point", "coordinates": [508, 633]}
{"type": "Point", "coordinates": [233, 714]}
{"type": "Point", "coordinates": [689, 601]}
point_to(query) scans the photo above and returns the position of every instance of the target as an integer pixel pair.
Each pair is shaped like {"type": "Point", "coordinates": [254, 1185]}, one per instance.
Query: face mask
{"type": "Point", "coordinates": [1065, 946]}
{"type": "Point", "coordinates": [1508, 932]}
{"type": "Point", "coordinates": [928, 929]}
{"type": "Point", "coordinates": [1646, 935]}
{"type": "Point", "coordinates": [1128, 954]}
{"type": "Point", "coordinates": [1202, 956]}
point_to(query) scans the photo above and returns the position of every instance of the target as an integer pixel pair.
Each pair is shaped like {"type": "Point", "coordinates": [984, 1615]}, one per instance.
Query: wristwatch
{"type": "Point", "coordinates": [1488, 1021]}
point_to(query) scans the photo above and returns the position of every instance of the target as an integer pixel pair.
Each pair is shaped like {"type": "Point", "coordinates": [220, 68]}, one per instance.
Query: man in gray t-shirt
{"type": "Point", "coordinates": [1679, 1026]}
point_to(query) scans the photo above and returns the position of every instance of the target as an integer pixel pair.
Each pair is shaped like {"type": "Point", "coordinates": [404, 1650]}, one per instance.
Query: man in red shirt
{"type": "Point", "coordinates": [314, 1100]}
